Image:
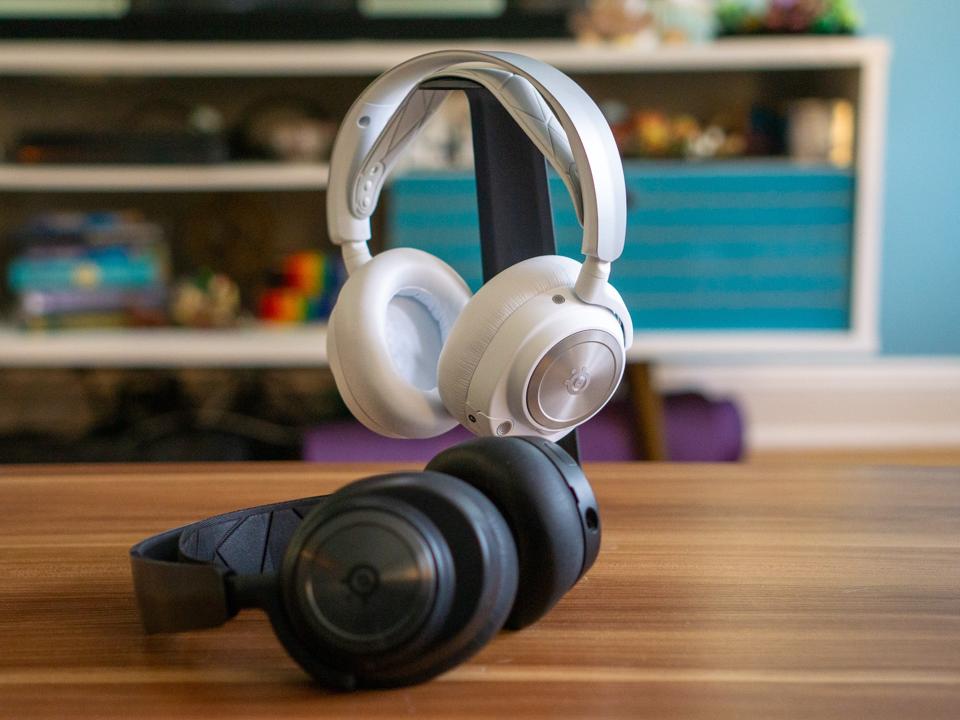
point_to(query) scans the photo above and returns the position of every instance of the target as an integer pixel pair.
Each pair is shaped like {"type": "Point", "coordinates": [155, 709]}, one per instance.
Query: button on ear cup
{"type": "Point", "coordinates": [474, 580]}
{"type": "Point", "coordinates": [555, 543]}
{"type": "Point", "coordinates": [384, 339]}
{"type": "Point", "coordinates": [484, 315]}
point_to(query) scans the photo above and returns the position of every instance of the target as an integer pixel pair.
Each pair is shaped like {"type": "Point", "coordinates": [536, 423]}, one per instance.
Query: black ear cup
{"type": "Point", "coordinates": [396, 579]}
{"type": "Point", "coordinates": [549, 506]}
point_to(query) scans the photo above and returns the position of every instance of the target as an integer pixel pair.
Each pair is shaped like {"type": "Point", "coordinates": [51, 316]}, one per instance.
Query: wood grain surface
{"type": "Point", "coordinates": [720, 592]}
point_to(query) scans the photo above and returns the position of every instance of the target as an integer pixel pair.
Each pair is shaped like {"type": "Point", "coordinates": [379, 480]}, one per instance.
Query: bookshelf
{"type": "Point", "coordinates": [264, 346]}
{"type": "Point", "coordinates": [160, 178]}
{"type": "Point", "coordinates": [352, 58]}
{"type": "Point", "coordinates": [254, 346]}
{"type": "Point", "coordinates": [229, 72]}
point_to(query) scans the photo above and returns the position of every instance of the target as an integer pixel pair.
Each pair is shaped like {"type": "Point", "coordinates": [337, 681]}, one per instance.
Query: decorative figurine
{"type": "Point", "coordinates": [626, 22]}
{"type": "Point", "coordinates": [205, 300]}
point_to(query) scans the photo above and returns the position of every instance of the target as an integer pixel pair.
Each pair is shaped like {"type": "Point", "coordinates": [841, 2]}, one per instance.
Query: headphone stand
{"type": "Point", "coordinates": [513, 198]}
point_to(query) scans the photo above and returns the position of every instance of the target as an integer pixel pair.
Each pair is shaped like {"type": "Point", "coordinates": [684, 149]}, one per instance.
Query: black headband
{"type": "Point", "coordinates": [180, 576]}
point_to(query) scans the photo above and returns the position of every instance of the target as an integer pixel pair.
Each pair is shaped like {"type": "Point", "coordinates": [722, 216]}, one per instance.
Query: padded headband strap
{"type": "Point", "coordinates": [517, 96]}
{"type": "Point", "coordinates": [179, 576]}
{"type": "Point", "coordinates": [591, 142]}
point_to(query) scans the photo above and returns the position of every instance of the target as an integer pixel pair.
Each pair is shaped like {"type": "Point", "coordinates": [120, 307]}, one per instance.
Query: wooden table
{"type": "Point", "coordinates": [732, 591]}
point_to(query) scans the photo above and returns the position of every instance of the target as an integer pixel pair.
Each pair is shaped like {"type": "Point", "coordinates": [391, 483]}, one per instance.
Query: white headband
{"type": "Point", "coordinates": [390, 112]}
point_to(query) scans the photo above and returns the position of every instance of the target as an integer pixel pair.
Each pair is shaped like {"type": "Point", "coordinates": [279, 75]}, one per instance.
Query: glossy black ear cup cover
{"type": "Point", "coordinates": [538, 505]}
{"type": "Point", "coordinates": [483, 551]}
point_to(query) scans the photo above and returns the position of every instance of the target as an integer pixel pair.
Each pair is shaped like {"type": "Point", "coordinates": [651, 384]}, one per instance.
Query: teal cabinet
{"type": "Point", "coordinates": [712, 247]}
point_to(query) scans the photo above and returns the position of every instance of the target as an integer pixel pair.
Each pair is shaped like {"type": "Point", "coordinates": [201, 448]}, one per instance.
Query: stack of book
{"type": "Point", "coordinates": [103, 269]}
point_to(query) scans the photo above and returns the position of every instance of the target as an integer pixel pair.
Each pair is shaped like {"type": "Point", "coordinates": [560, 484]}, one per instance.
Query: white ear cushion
{"type": "Point", "coordinates": [485, 314]}
{"type": "Point", "coordinates": [384, 338]}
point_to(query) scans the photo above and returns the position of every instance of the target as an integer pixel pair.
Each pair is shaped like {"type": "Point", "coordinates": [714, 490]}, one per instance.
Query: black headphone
{"type": "Point", "coordinates": [392, 579]}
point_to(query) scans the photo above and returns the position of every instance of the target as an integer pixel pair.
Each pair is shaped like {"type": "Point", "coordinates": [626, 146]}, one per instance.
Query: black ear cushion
{"type": "Point", "coordinates": [536, 500]}
{"type": "Point", "coordinates": [486, 586]}
{"type": "Point", "coordinates": [485, 559]}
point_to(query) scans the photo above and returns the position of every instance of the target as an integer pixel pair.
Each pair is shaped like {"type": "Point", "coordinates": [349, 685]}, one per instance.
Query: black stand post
{"type": "Point", "coordinates": [513, 198]}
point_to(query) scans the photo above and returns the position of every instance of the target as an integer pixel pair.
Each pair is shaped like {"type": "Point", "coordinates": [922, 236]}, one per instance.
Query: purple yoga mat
{"type": "Point", "coordinates": [697, 429]}
{"type": "Point", "coordinates": [702, 430]}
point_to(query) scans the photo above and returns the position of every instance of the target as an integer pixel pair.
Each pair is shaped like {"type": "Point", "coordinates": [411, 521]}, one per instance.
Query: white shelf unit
{"type": "Point", "coordinates": [868, 57]}
{"type": "Point", "coordinates": [162, 178]}
{"type": "Point", "coordinates": [256, 346]}
{"type": "Point", "coordinates": [346, 58]}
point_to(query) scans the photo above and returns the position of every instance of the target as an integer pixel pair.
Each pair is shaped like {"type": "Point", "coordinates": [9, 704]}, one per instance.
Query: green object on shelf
{"type": "Point", "coordinates": [839, 18]}
{"type": "Point", "coordinates": [734, 17]}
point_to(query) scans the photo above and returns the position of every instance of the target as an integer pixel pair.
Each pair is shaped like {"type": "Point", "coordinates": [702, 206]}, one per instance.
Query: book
{"type": "Point", "coordinates": [115, 269]}
{"type": "Point", "coordinates": [106, 319]}
{"type": "Point", "coordinates": [34, 303]}
{"type": "Point", "coordinates": [69, 233]}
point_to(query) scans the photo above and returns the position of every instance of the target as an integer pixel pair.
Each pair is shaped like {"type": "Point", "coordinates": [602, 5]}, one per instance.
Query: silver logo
{"type": "Point", "coordinates": [578, 380]}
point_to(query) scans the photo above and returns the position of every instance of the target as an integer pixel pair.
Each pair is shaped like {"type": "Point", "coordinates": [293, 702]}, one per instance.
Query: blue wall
{"type": "Point", "coordinates": [920, 296]}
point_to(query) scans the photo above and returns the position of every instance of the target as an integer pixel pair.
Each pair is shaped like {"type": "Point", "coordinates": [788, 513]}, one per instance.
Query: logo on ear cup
{"type": "Point", "coordinates": [362, 580]}
{"type": "Point", "coordinates": [578, 380]}
{"type": "Point", "coordinates": [574, 379]}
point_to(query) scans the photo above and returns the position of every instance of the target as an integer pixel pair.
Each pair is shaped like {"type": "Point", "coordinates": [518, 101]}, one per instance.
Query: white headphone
{"type": "Point", "coordinates": [541, 347]}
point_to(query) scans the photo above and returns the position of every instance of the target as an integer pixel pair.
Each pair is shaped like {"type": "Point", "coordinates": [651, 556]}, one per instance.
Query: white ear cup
{"type": "Point", "coordinates": [392, 318]}
{"type": "Point", "coordinates": [486, 313]}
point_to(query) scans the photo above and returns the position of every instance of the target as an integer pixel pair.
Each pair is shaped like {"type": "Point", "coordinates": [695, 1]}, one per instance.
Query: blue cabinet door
{"type": "Point", "coordinates": [710, 247]}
